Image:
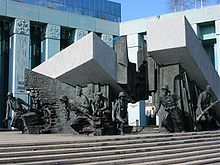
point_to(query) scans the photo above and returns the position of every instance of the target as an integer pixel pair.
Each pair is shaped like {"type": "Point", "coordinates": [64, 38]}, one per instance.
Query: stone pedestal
{"type": "Point", "coordinates": [50, 45]}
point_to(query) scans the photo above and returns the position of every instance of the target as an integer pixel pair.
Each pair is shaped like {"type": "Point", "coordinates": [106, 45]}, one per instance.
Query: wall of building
{"type": "Point", "coordinates": [50, 16]}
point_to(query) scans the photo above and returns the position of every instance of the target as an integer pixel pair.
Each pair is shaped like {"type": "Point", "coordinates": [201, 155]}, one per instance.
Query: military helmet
{"type": "Point", "coordinates": [64, 98]}
{"type": "Point", "coordinates": [10, 94]}
{"type": "Point", "coordinates": [166, 87]}
{"type": "Point", "coordinates": [121, 94]}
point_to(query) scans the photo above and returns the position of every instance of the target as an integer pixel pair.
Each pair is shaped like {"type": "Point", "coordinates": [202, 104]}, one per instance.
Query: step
{"type": "Point", "coordinates": [154, 148]}
{"type": "Point", "coordinates": [191, 160]}
{"type": "Point", "coordinates": [115, 148]}
{"type": "Point", "coordinates": [77, 155]}
{"type": "Point", "coordinates": [109, 150]}
{"type": "Point", "coordinates": [127, 158]}
{"type": "Point", "coordinates": [166, 159]}
{"type": "Point", "coordinates": [207, 160]}
{"type": "Point", "coordinates": [86, 139]}
{"type": "Point", "coordinates": [79, 144]}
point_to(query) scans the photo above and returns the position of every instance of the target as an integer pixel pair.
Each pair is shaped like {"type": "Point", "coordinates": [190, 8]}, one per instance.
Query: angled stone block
{"type": "Point", "coordinates": [173, 41]}
{"type": "Point", "coordinates": [89, 60]}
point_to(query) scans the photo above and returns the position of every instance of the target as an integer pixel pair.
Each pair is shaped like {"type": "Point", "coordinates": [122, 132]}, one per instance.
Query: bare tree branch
{"type": "Point", "coordinates": [180, 5]}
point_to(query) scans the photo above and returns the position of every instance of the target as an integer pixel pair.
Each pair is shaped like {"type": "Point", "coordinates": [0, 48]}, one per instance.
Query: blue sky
{"type": "Point", "coordinates": [132, 9]}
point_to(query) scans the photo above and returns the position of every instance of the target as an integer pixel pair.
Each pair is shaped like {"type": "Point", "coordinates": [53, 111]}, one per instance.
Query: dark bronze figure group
{"type": "Point", "coordinates": [174, 119]}
{"type": "Point", "coordinates": [35, 118]}
{"type": "Point", "coordinates": [19, 107]}
{"type": "Point", "coordinates": [95, 116]}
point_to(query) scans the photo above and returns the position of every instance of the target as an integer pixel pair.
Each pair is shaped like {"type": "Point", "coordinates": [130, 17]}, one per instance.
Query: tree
{"type": "Point", "coordinates": [180, 5]}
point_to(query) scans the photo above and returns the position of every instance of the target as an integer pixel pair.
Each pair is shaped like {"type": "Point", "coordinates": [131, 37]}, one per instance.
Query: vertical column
{"type": "Point", "coordinates": [18, 56]}
{"type": "Point", "coordinates": [1, 79]}
{"type": "Point", "coordinates": [135, 44]}
{"type": "Point", "coordinates": [79, 34]}
{"type": "Point", "coordinates": [217, 46]}
{"type": "Point", "coordinates": [50, 45]}
{"type": "Point", "coordinates": [108, 39]}
{"type": "Point", "coordinates": [4, 66]}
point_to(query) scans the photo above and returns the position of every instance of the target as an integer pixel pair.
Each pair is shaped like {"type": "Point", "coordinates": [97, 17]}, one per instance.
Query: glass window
{"type": "Point", "coordinates": [97, 8]}
{"type": "Point", "coordinates": [209, 45]}
{"type": "Point", "coordinates": [35, 45]}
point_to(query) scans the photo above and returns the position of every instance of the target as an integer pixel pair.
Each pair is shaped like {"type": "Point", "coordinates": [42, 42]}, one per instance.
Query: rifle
{"type": "Point", "coordinates": [80, 109]}
{"type": "Point", "coordinates": [199, 117]}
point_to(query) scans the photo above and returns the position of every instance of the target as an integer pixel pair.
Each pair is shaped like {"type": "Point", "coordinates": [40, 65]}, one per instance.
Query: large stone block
{"type": "Point", "coordinates": [89, 60]}
{"type": "Point", "coordinates": [183, 47]}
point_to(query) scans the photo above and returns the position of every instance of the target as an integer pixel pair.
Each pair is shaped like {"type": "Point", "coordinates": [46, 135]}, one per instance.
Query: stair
{"type": "Point", "coordinates": [145, 149]}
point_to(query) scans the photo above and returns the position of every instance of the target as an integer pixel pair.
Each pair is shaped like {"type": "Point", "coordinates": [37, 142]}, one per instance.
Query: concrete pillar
{"type": "Point", "coordinates": [217, 46]}
{"type": "Point", "coordinates": [135, 44]}
{"type": "Point", "coordinates": [108, 39]}
{"type": "Point", "coordinates": [136, 112]}
{"type": "Point", "coordinates": [18, 56]}
{"type": "Point", "coordinates": [50, 45]}
{"type": "Point", "coordinates": [79, 34]}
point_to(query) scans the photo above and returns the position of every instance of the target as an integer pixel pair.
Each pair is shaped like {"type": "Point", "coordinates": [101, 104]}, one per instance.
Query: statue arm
{"type": "Point", "coordinates": [211, 100]}
{"type": "Point", "coordinates": [105, 106]}
{"type": "Point", "coordinates": [158, 107]}
{"type": "Point", "coordinates": [22, 102]}
{"type": "Point", "coordinates": [93, 106]}
{"type": "Point", "coordinates": [199, 102]}
{"type": "Point", "coordinates": [7, 111]}
{"type": "Point", "coordinates": [85, 104]}
{"type": "Point", "coordinates": [114, 110]}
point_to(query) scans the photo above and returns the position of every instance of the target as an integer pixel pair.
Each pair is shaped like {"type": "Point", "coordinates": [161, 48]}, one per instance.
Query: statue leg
{"type": "Point", "coordinates": [76, 125]}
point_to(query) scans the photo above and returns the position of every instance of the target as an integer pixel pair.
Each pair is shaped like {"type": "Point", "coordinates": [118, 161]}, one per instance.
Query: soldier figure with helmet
{"type": "Point", "coordinates": [173, 121]}
{"type": "Point", "coordinates": [119, 113]}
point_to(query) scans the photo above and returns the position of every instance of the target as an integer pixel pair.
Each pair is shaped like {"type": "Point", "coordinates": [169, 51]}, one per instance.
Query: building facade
{"type": "Point", "coordinates": [33, 31]}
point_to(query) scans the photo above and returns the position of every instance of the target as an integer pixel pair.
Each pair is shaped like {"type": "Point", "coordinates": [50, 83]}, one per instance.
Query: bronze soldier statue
{"type": "Point", "coordinates": [99, 104]}
{"type": "Point", "coordinates": [119, 113]}
{"type": "Point", "coordinates": [173, 121]}
{"type": "Point", "coordinates": [80, 106]}
{"type": "Point", "coordinates": [16, 105]}
{"type": "Point", "coordinates": [204, 111]}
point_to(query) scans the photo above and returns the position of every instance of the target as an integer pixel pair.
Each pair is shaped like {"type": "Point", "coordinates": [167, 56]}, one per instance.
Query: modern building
{"type": "Point", "coordinates": [32, 31]}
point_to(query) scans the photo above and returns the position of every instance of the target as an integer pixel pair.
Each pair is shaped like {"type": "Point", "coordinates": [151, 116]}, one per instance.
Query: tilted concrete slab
{"type": "Point", "coordinates": [89, 60]}
{"type": "Point", "coordinates": [172, 41]}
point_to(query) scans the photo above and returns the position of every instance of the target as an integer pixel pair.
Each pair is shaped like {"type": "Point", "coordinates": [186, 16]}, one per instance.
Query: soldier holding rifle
{"type": "Point", "coordinates": [204, 111]}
